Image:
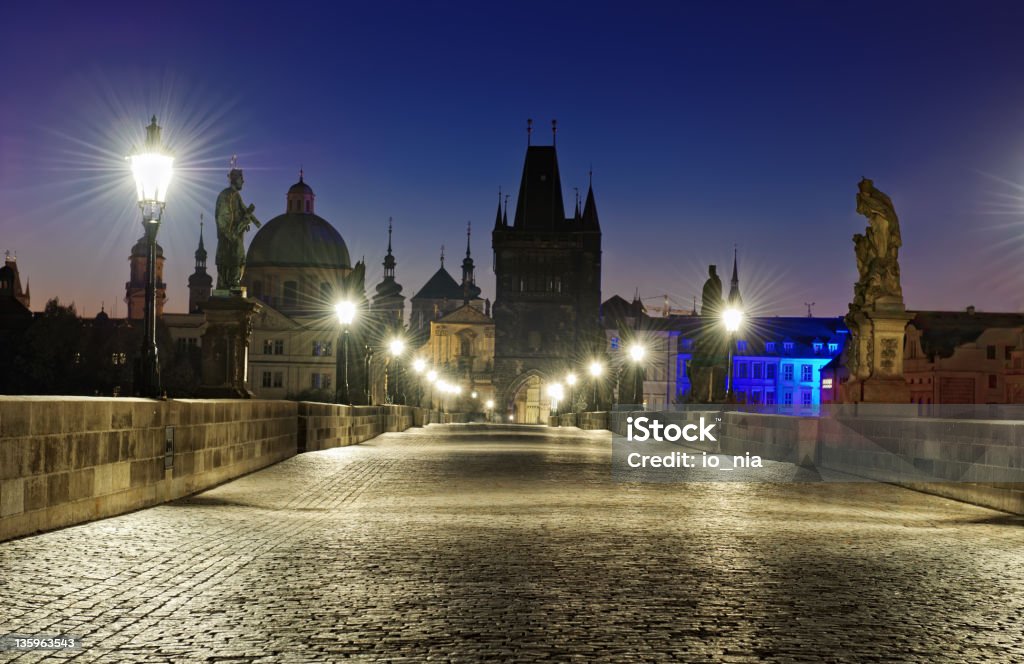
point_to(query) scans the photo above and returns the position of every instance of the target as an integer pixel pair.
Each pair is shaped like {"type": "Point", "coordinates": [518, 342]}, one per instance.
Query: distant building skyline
{"type": "Point", "coordinates": [705, 128]}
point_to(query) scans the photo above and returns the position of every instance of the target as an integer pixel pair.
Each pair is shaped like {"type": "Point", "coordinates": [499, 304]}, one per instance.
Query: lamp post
{"type": "Point", "coordinates": [346, 311]}
{"type": "Point", "coordinates": [636, 356]}
{"type": "Point", "coordinates": [556, 392]}
{"type": "Point", "coordinates": [431, 379]}
{"type": "Point", "coordinates": [570, 380]}
{"type": "Point", "coordinates": [419, 365]}
{"type": "Point", "coordinates": [732, 318]}
{"type": "Point", "coordinates": [596, 369]}
{"type": "Point", "coordinates": [395, 348]}
{"type": "Point", "coordinates": [489, 405]}
{"type": "Point", "coordinates": [152, 169]}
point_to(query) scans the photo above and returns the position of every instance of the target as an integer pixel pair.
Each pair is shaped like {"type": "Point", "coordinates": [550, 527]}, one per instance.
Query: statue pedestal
{"type": "Point", "coordinates": [225, 348]}
{"type": "Point", "coordinates": [877, 372]}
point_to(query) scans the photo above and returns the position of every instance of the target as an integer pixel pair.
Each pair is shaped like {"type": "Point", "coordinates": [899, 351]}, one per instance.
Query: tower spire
{"type": "Point", "coordinates": [529, 130]}
{"type": "Point", "coordinates": [442, 256]}
{"type": "Point", "coordinates": [554, 132]}
{"type": "Point", "coordinates": [469, 233]}
{"type": "Point", "coordinates": [734, 287]}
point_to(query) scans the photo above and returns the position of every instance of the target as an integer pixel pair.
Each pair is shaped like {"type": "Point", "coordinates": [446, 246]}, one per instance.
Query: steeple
{"type": "Point", "coordinates": [389, 296]}
{"type": "Point", "coordinates": [469, 289]}
{"type": "Point", "coordinates": [497, 219]}
{"type": "Point", "coordinates": [200, 284]}
{"type": "Point", "coordinates": [589, 219]}
{"type": "Point", "coordinates": [301, 196]}
{"type": "Point", "coordinates": [540, 206]}
{"type": "Point", "coordinates": [734, 288]}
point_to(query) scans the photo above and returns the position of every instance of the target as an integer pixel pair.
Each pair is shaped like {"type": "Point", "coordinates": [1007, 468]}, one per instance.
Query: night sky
{"type": "Point", "coordinates": [706, 126]}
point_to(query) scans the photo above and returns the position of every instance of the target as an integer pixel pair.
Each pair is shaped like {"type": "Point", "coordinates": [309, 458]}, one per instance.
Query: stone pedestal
{"type": "Point", "coordinates": [225, 348]}
{"type": "Point", "coordinates": [876, 355]}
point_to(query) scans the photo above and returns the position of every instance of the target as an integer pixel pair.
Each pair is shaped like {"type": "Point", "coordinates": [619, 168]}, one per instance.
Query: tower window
{"type": "Point", "coordinates": [307, 206]}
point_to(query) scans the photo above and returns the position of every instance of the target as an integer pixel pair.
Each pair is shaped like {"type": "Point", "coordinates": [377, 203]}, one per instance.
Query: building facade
{"type": "Point", "coordinates": [548, 287]}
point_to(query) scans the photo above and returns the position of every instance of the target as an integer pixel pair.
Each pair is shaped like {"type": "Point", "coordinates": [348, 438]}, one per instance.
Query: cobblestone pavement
{"type": "Point", "coordinates": [465, 543]}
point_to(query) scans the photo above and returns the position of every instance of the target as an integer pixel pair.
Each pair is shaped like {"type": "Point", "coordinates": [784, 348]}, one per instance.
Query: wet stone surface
{"type": "Point", "coordinates": [466, 543]}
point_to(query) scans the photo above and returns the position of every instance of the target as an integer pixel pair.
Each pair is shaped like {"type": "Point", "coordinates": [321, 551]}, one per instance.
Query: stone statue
{"type": "Point", "coordinates": [877, 250]}
{"type": "Point", "coordinates": [707, 366]}
{"type": "Point", "coordinates": [233, 220]}
{"type": "Point", "coordinates": [711, 296]}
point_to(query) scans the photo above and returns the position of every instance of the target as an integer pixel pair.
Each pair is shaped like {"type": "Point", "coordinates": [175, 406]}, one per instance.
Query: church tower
{"type": "Point", "coordinates": [135, 287]}
{"type": "Point", "coordinates": [389, 299]}
{"type": "Point", "coordinates": [734, 288]}
{"type": "Point", "coordinates": [470, 291]}
{"type": "Point", "coordinates": [200, 284]}
{"type": "Point", "coordinates": [548, 285]}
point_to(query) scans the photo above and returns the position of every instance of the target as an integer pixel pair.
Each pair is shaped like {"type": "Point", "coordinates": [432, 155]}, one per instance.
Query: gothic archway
{"type": "Point", "coordinates": [527, 402]}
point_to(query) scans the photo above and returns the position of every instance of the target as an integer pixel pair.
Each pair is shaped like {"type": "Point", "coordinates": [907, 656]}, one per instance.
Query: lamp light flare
{"type": "Point", "coordinates": [419, 365]}
{"type": "Point", "coordinates": [432, 376]}
{"type": "Point", "coordinates": [489, 404]}
{"type": "Point", "coordinates": [570, 379]}
{"type": "Point", "coordinates": [596, 369]}
{"type": "Point", "coordinates": [637, 352]}
{"type": "Point", "coordinates": [397, 347]}
{"type": "Point", "coordinates": [346, 310]}
{"type": "Point", "coordinates": [556, 391]}
{"type": "Point", "coordinates": [732, 318]}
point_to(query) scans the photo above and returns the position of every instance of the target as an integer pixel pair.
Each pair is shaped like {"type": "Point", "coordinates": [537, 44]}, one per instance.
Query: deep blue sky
{"type": "Point", "coordinates": [706, 125]}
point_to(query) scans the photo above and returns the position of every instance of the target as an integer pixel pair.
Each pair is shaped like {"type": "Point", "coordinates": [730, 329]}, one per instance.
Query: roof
{"type": "Point", "coordinates": [296, 239]}
{"type": "Point", "coordinates": [139, 248]}
{"type": "Point", "coordinates": [441, 286]}
{"type": "Point", "coordinates": [943, 331]}
{"type": "Point", "coordinates": [801, 332]}
{"type": "Point", "coordinates": [540, 204]}
{"type": "Point", "coordinates": [300, 187]}
{"type": "Point", "coordinates": [465, 314]}
{"type": "Point", "coordinates": [617, 308]}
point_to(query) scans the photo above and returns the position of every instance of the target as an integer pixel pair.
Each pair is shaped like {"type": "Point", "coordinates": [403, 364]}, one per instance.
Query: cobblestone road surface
{"type": "Point", "coordinates": [464, 543]}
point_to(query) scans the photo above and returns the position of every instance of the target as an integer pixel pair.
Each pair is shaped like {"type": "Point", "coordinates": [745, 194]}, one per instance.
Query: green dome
{"type": "Point", "coordinates": [298, 240]}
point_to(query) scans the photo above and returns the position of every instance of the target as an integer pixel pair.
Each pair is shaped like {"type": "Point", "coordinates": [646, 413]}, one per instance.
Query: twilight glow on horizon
{"type": "Point", "coordinates": [706, 128]}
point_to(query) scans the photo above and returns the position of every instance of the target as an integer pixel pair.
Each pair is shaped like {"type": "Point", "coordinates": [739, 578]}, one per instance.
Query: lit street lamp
{"type": "Point", "coordinates": [489, 405]}
{"type": "Point", "coordinates": [596, 369]}
{"type": "Point", "coordinates": [556, 392]}
{"type": "Point", "coordinates": [636, 355]}
{"type": "Point", "coordinates": [346, 311]}
{"type": "Point", "coordinates": [395, 348]}
{"type": "Point", "coordinates": [419, 365]}
{"type": "Point", "coordinates": [431, 379]}
{"type": "Point", "coordinates": [152, 169]}
{"type": "Point", "coordinates": [570, 380]}
{"type": "Point", "coordinates": [732, 318]}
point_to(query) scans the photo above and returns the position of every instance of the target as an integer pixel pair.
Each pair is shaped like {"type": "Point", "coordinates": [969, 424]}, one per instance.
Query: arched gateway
{"type": "Point", "coordinates": [527, 403]}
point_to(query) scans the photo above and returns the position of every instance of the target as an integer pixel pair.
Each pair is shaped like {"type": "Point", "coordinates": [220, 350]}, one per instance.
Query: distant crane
{"type": "Point", "coordinates": [810, 314]}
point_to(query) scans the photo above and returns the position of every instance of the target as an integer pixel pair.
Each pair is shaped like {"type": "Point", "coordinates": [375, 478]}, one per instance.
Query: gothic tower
{"type": "Point", "coordinates": [200, 284]}
{"type": "Point", "coordinates": [548, 282]}
{"type": "Point", "coordinates": [470, 291]}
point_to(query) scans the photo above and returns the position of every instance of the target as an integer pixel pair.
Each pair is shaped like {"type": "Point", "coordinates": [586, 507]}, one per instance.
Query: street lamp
{"type": "Point", "coordinates": [596, 369]}
{"type": "Point", "coordinates": [431, 379]}
{"type": "Point", "coordinates": [636, 355]}
{"type": "Point", "coordinates": [395, 348]}
{"type": "Point", "coordinates": [732, 318]}
{"type": "Point", "coordinates": [346, 311]}
{"type": "Point", "coordinates": [152, 169]}
{"type": "Point", "coordinates": [419, 365]}
{"type": "Point", "coordinates": [570, 380]}
{"type": "Point", "coordinates": [556, 392]}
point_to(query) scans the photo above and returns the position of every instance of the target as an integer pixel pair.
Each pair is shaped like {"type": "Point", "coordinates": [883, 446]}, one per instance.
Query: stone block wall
{"type": "Point", "coordinates": [65, 460]}
{"type": "Point", "coordinates": [324, 425]}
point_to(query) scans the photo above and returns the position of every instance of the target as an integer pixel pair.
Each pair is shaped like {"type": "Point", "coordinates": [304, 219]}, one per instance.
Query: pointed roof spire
{"type": "Point", "coordinates": [529, 130]}
{"type": "Point", "coordinates": [442, 256]}
{"type": "Point", "coordinates": [589, 217]}
{"type": "Point", "coordinates": [497, 219]}
{"type": "Point", "coordinates": [576, 213]}
{"type": "Point", "coordinates": [301, 173]}
{"type": "Point", "coordinates": [734, 288]}
{"type": "Point", "coordinates": [504, 217]}
{"type": "Point", "coordinates": [389, 236]}
{"type": "Point", "coordinates": [201, 250]}
{"type": "Point", "coordinates": [469, 233]}
{"type": "Point", "coordinates": [554, 131]}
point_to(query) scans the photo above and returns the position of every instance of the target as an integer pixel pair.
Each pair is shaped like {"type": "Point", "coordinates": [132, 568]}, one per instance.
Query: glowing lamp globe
{"type": "Point", "coordinates": [152, 169]}
{"type": "Point", "coordinates": [732, 318]}
{"type": "Point", "coordinates": [636, 352]}
{"type": "Point", "coordinates": [346, 310]}
{"type": "Point", "coordinates": [489, 404]}
{"type": "Point", "coordinates": [596, 369]}
{"type": "Point", "coordinates": [570, 379]}
{"type": "Point", "coordinates": [431, 376]}
{"type": "Point", "coordinates": [419, 364]}
{"type": "Point", "coordinates": [555, 391]}
{"type": "Point", "coordinates": [397, 347]}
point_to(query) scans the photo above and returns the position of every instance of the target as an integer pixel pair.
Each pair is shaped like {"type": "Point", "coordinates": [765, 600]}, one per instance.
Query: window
{"type": "Point", "coordinates": [118, 359]}
{"type": "Point", "coordinates": [322, 348]}
{"type": "Point", "coordinates": [788, 399]}
{"type": "Point", "coordinates": [741, 369]}
{"type": "Point", "coordinates": [769, 397]}
{"type": "Point", "coordinates": [307, 206]}
{"type": "Point", "coordinates": [805, 372]}
{"type": "Point", "coordinates": [291, 293]}
{"type": "Point", "coordinates": [278, 379]}
{"type": "Point", "coordinates": [756, 370]}
{"type": "Point", "coordinates": [992, 381]}
{"type": "Point", "coordinates": [278, 346]}
{"type": "Point", "coordinates": [1007, 351]}
{"type": "Point", "coordinates": [741, 396]}
{"type": "Point", "coordinates": [805, 398]}
{"type": "Point", "coordinates": [826, 383]}
{"type": "Point", "coordinates": [771, 371]}
{"type": "Point", "coordinates": [741, 346]}
{"type": "Point", "coordinates": [266, 379]}
{"type": "Point", "coordinates": [755, 396]}
{"type": "Point", "coordinates": [268, 346]}
{"type": "Point", "coordinates": [788, 346]}
{"type": "Point", "coordinates": [615, 343]}
{"type": "Point", "coordinates": [833, 347]}
{"type": "Point", "coordinates": [991, 352]}
{"type": "Point", "coordinates": [769, 347]}
{"type": "Point", "coordinates": [817, 346]}
{"type": "Point", "coordinates": [320, 381]}
{"type": "Point", "coordinates": [787, 372]}
{"type": "Point", "coordinates": [687, 344]}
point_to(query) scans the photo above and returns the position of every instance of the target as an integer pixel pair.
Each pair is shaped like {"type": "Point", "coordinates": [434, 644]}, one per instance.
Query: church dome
{"type": "Point", "coordinates": [298, 239]}
{"type": "Point", "coordinates": [300, 187]}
